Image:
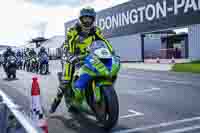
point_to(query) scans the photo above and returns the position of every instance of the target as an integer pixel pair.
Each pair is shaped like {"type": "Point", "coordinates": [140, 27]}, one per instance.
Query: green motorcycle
{"type": "Point", "coordinates": [100, 100]}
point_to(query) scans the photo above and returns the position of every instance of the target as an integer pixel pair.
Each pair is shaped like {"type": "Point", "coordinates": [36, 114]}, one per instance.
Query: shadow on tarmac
{"type": "Point", "coordinates": [79, 123]}
{"type": "Point", "coordinates": [7, 79]}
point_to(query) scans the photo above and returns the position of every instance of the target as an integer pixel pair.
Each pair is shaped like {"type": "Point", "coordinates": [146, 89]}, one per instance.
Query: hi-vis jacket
{"type": "Point", "coordinates": [77, 43]}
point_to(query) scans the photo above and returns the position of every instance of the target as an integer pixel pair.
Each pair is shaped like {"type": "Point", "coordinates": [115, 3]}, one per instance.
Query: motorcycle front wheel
{"type": "Point", "coordinates": [111, 112]}
{"type": "Point", "coordinates": [43, 69]}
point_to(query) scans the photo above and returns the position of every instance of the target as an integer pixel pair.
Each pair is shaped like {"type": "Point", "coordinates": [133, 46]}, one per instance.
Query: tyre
{"type": "Point", "coordinates": [112, 108]}
{"type": "Point", "coordinates": [44, 69]}
{"type": "Point", "coordinates": [14, 75]}
{"type": "Point", "coordinates": [27, 68]}
{"type": "Point", "coordinates": [12, 72]}
{"type": "Point", "coordinates": [9, 76]}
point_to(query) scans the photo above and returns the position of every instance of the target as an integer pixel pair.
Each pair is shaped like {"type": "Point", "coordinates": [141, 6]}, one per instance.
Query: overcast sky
{"type": "Point", "coordinates": [21, 19]}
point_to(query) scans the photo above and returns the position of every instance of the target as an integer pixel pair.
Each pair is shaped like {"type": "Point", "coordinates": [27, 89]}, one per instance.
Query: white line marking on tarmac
{"type": "Point", "coordinates": [133, 114]}
{"type": "Point", "coordinates": [159, 125]}
{"type": "Point", "coordinates": [133, 92]}
{"type": "Point", "coordinates": [186, 129]}
{"type": "Point", "coordinates": [162, 80]}
{"type": "Point", "coordinates": [7, 100]}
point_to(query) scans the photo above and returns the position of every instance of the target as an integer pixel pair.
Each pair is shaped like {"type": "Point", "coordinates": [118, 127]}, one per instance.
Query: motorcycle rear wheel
{"type": "Point", "coordinates": [9, 76]}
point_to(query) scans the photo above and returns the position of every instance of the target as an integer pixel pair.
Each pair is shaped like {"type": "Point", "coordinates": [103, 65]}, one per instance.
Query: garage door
{"type": "Point", "coordinates": [128, 47]}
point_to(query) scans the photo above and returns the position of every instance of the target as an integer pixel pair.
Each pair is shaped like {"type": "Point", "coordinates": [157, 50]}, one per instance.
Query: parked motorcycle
{"type": "Point", "coordinates": [101, 100]}
{"type": "Point", "coordinates": [33, 66]}
{"type": "Point", "coordinates": [11, 67]}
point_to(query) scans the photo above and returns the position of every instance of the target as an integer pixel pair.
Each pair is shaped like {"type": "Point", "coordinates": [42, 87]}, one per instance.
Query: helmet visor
{"type": "Point", "coordinates": [87, 21]}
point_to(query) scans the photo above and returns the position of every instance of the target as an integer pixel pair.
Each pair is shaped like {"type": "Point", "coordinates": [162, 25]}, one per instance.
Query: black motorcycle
{"type": "Point", "coordinates": [33, 66]}
{"type": "Point", "coordinates": [11, 67]}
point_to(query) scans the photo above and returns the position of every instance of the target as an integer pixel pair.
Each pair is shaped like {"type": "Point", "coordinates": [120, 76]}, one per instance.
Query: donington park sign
{"type": "Point", "coordinates": [138, 16]}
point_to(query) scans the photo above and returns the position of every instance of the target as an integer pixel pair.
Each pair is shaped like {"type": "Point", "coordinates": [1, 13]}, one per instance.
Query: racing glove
{"type": "Point", "coordinates": [73, 59]}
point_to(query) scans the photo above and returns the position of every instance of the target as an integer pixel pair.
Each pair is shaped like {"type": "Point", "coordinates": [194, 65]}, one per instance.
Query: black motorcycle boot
{"type": "Point", "coordinates": [67, 95]}
{"type": "Point", "coordinates": [63, 85]}
{"type": "Point", "coordinates": [54, 105]}
{"type": "Point", "coordinates": [56, 101]}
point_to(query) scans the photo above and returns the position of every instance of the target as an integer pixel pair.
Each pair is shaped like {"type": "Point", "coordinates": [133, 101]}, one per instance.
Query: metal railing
{"type": "Point", "coordinates": [12, 118]}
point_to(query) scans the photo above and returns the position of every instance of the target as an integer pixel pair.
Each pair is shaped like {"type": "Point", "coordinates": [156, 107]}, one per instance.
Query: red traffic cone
{"type": "Point", "coordinates": [35, 91]}
{"type": "Point", "coordinates": [36, 109]}
{"type": "Point", "coordinates": [43, 125]}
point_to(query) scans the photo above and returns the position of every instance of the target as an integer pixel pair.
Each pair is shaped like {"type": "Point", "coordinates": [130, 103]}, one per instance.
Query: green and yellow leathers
{"type": "Point", "coordinates": [75, 43]}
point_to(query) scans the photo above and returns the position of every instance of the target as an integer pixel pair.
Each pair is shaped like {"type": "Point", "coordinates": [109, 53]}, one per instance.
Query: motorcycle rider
{"type": "Point", "coordinates": [26, 56]}
{"type": "Point", "coordinates": [78, 39]}
{"type": "Point", "coordinates": [32, 53]}
{"type": "Point", "coordinates": [19, 54]}
{"type": "Point", "coordinates": [40, 54]}
{"type": "Point", "coordinates": [26, 53]}
{"type": "Point", "coordinates": [6, 54]}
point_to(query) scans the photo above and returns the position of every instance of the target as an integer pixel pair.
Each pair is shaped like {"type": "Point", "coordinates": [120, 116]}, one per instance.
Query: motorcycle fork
{"type": "Point", "coordinates": [97, 92]}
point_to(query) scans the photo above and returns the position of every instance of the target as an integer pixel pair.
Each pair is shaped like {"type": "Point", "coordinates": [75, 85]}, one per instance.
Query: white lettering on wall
{"type": "Point", "coordinates": [178, 4]}
{"type": "Point", "coordinates": [108, 22]}
{"type": "Point", "coordinates": [125, 18]}
{"type": "Point", "coordinates": [150, 12]}
{"type": "Point", "coordinates": [190, 4]}
{"type": "Point", "coordinates": [101, 23]}
{"type": "Point", "coordinates": [141, 12]}
{"type": "Point", "coordinates": [115, 21]}
{"type": "Point", "coordinates": [120, 20]}
{"type": "Point", "coordinates": [199, 4]}
{"type": "Point", "coordinates": [161, 9]}
{"type": "Point", "coordinates": [133, 16]}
